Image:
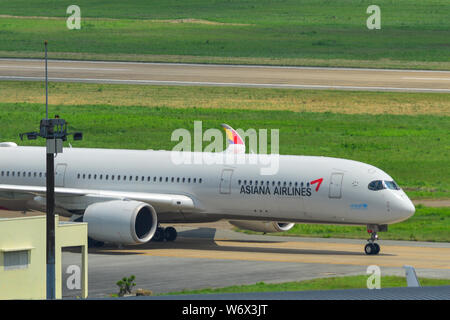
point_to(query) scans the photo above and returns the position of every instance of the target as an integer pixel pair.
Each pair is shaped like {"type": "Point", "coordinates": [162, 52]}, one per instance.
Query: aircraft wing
{"type": "Point", "coordinates": [160, 201]}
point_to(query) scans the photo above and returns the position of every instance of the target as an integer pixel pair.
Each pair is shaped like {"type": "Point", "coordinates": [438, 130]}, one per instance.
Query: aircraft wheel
{"type": "Point", "coordinates": [159, 235]}
{"type": "Point", "coordinates": [377, 248]}
{"type": "Point", "coordinates": [95, 243]}
{"type": "Point", "coordinates": [370, 249]}
{"type": "Point", "coordinates": [170, 234]}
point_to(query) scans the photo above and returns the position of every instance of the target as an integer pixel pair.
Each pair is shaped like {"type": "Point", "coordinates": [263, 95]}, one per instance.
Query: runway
{"type": "Point", "coordinates": [206, 257]}
{"type": "Point", "coordinates": [227, 75]}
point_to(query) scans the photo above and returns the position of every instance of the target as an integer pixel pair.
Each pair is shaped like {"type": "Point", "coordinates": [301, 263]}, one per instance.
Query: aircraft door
{"type": "Point", "coordinates": [225, 181]}
{"type": "Point", "coordinates": [336, 186]}
{"type": "Point", "coordinates": [60, 172]}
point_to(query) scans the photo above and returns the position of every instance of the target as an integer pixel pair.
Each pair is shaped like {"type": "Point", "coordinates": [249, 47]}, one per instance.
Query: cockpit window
{"type": "Point", "coordinates": [391, 185]}
{"type": "Point", "coordinates": [376, 185]}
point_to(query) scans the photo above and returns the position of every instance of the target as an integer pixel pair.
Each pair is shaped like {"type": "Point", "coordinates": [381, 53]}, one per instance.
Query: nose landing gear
{"type": "Point", "coordinates": [372, 248]}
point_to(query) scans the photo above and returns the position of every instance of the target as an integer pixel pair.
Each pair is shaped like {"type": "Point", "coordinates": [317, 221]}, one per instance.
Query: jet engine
{"type": "Point", "coordinates": [121, 222]}
{"type": "Point", "coordinates": [262, 226]}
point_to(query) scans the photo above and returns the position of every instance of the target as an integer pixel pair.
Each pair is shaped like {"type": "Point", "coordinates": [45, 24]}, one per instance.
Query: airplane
{"type": "Point", "coordinates": [124, 195]}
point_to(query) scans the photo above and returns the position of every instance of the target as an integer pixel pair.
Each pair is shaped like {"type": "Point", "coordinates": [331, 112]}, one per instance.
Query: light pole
{"type": "Point", "coordinates": [55, 132]}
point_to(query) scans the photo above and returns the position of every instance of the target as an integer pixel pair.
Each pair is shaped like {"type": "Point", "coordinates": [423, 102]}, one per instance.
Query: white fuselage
{"type": "Point", "coordinates": [219, 191]}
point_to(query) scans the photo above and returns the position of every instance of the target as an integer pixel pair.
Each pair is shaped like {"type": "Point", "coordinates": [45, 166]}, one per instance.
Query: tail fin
{"type": "Point", "coordinates": [235, 142]}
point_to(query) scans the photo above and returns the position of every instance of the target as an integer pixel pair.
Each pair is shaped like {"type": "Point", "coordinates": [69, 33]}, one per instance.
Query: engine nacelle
{"type": "Point", "coordinates": [262, 226]}
{"type": "Point", "coordinates": [121, 222]}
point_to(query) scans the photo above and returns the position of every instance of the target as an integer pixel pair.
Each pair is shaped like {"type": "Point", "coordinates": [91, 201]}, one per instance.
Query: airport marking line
{"type": "Point", "coordinates": [218, 65]}
{"type": "Point", "coordinates": [432, 79]}
{"type": "Point", "coordinates": [65, 68]}
{"type": "Point", "coordinates": [231, 84]}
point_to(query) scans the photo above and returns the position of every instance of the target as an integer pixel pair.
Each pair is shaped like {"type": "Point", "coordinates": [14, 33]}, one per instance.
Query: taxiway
{"type": "Point", "coordinates": [227, 75]}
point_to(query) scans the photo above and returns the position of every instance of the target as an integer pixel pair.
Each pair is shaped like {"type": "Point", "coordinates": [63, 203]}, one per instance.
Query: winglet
{"type": "Point", "coordinates": [235, 142]}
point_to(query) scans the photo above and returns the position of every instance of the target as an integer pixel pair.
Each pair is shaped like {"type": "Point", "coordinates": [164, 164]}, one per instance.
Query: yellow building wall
{"type": "Point", "coordinates": [28, 233]}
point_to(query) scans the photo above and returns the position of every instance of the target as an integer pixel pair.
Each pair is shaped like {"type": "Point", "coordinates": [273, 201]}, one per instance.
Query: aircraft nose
{"type": "Point", "coordinates": [406, 208]}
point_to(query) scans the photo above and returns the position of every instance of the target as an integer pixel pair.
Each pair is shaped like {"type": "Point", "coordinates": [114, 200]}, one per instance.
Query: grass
{"type": "Point", "coordinates": [428, 224]}
{"type": "Point", "coordinates": [348, 102]}
{"type": "Point", "coordinates": [414, 34]}
{"type": "Point", "coordinates": [413, 149]}
{"type": "Point", "coordinates": [332, 283]}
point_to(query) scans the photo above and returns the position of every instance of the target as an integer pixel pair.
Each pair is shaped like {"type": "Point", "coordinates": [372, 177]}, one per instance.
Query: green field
{"type": "Point", "coordinates": [414, 33]}
{"type": "Point", "coordinates": [413, 149]}
{"type": "Point", "coordinates": [348, 102]}
{"type": "Point", "coordinates": [332, 283]}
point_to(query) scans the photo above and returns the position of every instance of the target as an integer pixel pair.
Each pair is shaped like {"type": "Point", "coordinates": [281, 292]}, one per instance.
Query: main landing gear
{"type": "Point", "coordinates": [169, 234]}
{"type": "Point", "coordinates": [372, 248]}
